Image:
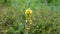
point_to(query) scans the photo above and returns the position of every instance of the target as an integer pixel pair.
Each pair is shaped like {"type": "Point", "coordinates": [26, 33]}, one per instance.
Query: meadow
{"type": "Point", "coordinates": [45, 16]}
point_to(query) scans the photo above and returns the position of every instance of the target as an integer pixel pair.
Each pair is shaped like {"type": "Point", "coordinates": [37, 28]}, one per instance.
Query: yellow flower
{"type": "Point", "coordinates": [26, 20]}
{"type": "Point", "coordinates": [28, 12]}
{"type": "Point", "coordinates": [27, 28]}
{"type": "Point", "coordinates": [30, 21]}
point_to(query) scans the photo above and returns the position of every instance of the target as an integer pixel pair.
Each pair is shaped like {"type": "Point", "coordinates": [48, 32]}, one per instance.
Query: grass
{"type": "Point", "coordinates": [45, 18]}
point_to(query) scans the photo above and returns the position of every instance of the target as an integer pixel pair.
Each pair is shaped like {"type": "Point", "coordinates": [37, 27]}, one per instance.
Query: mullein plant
{"type": "Point", "coordinates": [28, 13]}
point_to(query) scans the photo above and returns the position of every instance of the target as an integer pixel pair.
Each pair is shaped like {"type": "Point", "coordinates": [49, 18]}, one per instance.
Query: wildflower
{"type": "Point", "coordinates": [30, 21]}
{"type": "Point", "coordinates": [6, 30]}
{"type": "Point", "coordinates": [28, 12]}
{"type": "Point", "coordinates": [27, 29]}
{"type": "Point", "coordinates": [26, 20]}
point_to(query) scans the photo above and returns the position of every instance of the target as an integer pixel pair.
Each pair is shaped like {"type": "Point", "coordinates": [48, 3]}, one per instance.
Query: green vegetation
{"type": "Point", "coordinates": [45, 16]}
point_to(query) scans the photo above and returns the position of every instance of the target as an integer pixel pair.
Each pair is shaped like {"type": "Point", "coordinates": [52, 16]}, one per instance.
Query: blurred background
{"type": "Point", "coordinates": [45, 16]}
